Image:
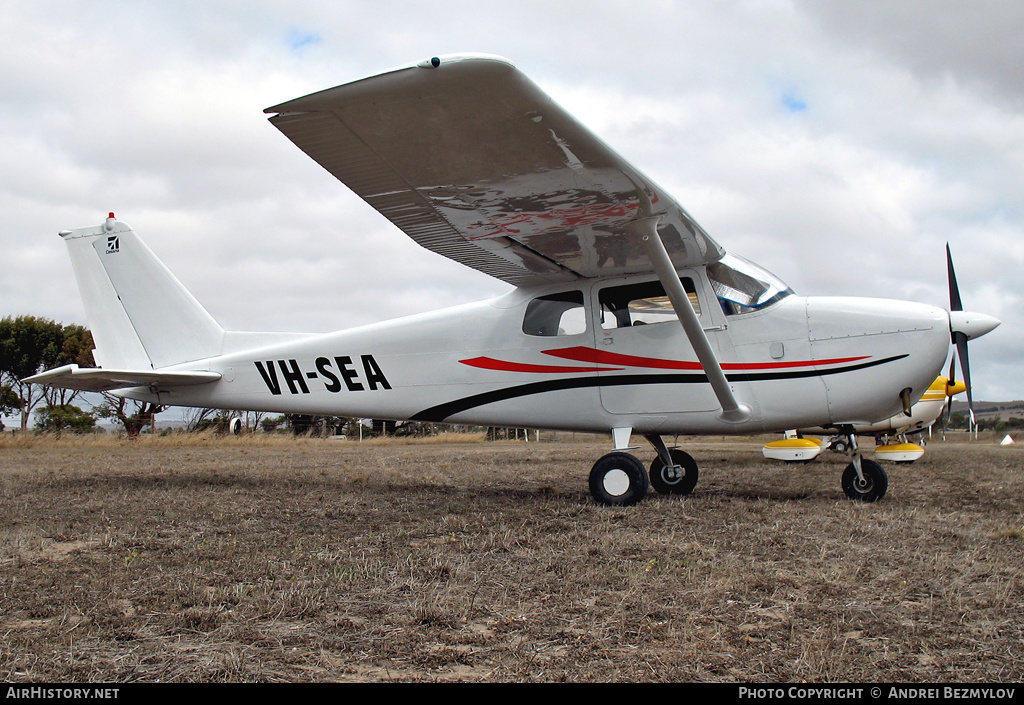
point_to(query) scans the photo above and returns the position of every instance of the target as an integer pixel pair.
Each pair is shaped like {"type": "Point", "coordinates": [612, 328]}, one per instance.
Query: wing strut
{"type": "Point", "coordinates": [647, 229]}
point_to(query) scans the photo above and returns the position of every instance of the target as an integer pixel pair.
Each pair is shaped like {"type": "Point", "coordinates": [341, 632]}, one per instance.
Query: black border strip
{"type": "Point", "coordinates": [441, 412]}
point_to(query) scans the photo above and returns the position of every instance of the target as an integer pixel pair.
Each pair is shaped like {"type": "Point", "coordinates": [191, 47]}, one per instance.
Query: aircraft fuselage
{"type": "Point", "coordinates": [802, 361]}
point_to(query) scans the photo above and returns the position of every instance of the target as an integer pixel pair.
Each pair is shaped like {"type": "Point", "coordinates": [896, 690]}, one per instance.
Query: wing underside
{"type": "Point", "coordinates": [473, 161]}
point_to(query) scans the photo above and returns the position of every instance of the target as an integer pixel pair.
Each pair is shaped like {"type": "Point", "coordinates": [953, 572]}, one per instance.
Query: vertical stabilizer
{"type": "Point", "coordinates": [140, 315]}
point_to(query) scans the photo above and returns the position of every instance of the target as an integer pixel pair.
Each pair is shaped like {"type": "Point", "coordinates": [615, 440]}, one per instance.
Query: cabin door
{"type": "Point", "coordinates": [649, 366]}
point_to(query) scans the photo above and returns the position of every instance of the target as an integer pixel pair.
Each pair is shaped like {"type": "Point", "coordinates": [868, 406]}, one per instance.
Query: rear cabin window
{"type": "Point", "coordinates": [641, 304]}
{"type": "Point", "coordinates": [556, 314]}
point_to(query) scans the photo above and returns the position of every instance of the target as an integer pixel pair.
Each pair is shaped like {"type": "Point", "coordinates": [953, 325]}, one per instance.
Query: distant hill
{"type": "Point", "coordinates": [992, 409]}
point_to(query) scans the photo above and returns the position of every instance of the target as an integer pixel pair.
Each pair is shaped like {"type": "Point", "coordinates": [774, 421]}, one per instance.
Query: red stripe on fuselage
{"type": "Point", "coordinates": [489, 363]}
{"type": "Point", "coordinates": [602, 357]}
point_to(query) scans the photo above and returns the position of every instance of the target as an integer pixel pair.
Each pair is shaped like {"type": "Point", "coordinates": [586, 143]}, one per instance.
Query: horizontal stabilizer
{"type": "Point", "coordinates": [100, 380]}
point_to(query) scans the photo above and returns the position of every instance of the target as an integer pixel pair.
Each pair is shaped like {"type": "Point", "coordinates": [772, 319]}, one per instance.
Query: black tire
{"type": "Point", "coordinates": [664, 483]}
{"type": "Point", "coordinates": [618, 480]}
{"type": "Point", "coordinates": [875, 484]}
{"type": "Point", "coordinates": [838, 446]}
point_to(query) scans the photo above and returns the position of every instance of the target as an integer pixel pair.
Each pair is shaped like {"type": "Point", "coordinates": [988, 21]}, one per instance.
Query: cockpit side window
{"type": "Point", "coordinates": [640, 304]}
{"type": "Point", "coordinates": [556, 314]}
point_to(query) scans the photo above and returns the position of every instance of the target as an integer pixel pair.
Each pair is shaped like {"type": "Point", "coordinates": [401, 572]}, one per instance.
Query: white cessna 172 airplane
{"type": "Point", "coordinates": [626, 317]}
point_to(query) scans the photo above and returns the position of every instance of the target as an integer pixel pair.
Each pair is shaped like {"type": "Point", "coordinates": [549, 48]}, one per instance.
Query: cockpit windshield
{"type": "Point", "coordinates": [742, 286]}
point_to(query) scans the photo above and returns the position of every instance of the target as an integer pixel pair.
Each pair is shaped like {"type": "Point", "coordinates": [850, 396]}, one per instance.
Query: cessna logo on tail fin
{"type": "Point", "coordinates": [338, 373]}
{"type": "Point", "coordinates": [113, 244]}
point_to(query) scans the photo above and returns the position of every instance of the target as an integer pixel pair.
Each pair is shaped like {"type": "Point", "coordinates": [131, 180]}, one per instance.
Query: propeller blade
{"type": "Point", "coordinates": [954, 291]}
{"type": "Point", "coordinates": [950, 383]}
{"type": "Point", "coordinates": [961, 348]}
{"type": "Point", "coordinates": [963, 326]}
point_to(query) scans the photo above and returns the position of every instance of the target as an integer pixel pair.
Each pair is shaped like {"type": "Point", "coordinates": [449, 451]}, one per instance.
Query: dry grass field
{"type": "Point", "coordinates": [313, 560]}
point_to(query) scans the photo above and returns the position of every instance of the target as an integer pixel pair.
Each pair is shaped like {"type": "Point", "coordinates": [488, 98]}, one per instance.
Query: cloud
{"type": "Point", "coordinates": [974, 45]}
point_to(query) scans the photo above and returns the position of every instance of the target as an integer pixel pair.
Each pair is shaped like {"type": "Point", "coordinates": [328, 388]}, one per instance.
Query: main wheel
{"type": "Point", "coordinates": [679, 480]}
{"type": "Point", "coordinates": [618, 479]}
{"type": "Point", "coordinates": [872, 488]}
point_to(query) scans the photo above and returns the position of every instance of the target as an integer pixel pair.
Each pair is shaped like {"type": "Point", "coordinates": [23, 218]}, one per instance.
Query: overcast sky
{"type": "Point", "coordinates": [839, 144]}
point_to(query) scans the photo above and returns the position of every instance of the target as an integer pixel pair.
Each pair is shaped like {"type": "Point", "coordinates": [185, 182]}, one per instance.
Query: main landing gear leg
{"type": "Point", "coordinates": [673, 471]}
{"type": "Point", "coordinates": [619, 479]}
{"type": "Point", "coordinates": [863, 479]}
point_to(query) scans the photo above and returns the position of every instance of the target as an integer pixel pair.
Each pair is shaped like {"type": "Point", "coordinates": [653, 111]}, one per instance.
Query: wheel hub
{"type": "Point", "coordinates": [863, 485]}
{"type": "Point", "coordinates": [672, 474]}
{"type": "Point", "coordinates": [616, 482]}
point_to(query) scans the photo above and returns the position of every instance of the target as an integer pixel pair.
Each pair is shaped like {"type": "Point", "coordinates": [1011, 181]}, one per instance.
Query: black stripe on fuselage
{"type": "Point", "coordinates": [442, 411]}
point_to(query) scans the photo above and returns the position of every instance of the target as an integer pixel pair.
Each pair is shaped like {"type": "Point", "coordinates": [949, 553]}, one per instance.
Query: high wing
{"type": "Point", "coordinates": [473, 161]}
{"type": "Point", "coordinates": [93, 379]}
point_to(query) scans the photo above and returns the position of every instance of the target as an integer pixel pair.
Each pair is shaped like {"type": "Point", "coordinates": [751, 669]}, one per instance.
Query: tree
{"type": "Point", "coordinates": [131, 414]}
{"type": "Point", "coordinates": [957, 420]}
{"type": "Point", "coordinates": [65, 417]}
{"type": "Point", "coordinates": [306, 424]}
{"type": "Point", "coordinates": [30, 345]}
{"type": "Point", "coordinates": [269, 424]}
{"type": "Point", "coordinates": [200, 418]}
{"type": "Point", "coordinates": [9, 401]}
{"type": "Point", "coordinates": [76, 349]}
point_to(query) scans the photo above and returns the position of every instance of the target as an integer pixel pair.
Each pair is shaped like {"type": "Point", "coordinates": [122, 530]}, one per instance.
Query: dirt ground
{"type": "Point", "coordinates": [313, 560]}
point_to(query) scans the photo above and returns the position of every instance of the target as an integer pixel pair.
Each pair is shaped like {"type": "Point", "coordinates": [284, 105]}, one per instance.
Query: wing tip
{"type": "Point", "coordinates": [434, 62]}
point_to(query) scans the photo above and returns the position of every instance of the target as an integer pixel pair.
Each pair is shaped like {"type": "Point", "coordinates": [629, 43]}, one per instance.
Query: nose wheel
{"type": "Point", "coordinates": [867, 486]}
{"type": "Point", "coordinates": [863, 480]}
